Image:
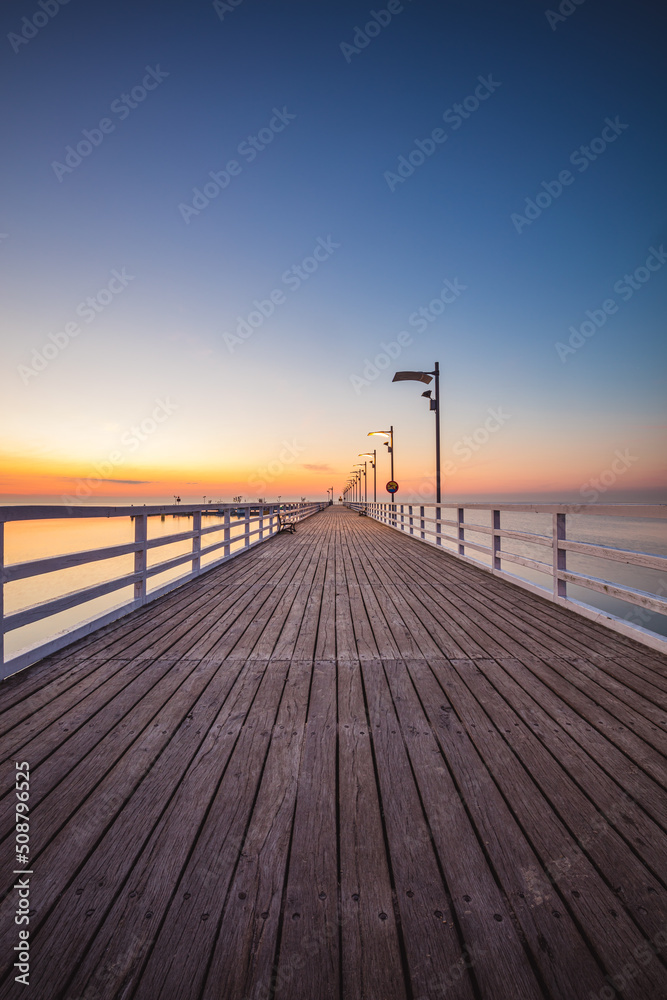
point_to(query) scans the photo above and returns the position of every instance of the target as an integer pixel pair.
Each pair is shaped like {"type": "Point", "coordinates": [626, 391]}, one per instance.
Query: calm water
{"type": "Point", "coordinates": [38, 539]}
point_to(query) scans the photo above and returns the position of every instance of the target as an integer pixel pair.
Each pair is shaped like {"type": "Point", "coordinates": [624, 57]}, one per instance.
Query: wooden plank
{"type": "Point", "coordinates": [643, 755]}
{"type": "Point", "coordinates": [614, 860]}
{"type": "Point", "coordinates": [308, 961]}
{"type": "Point", "coordinates": [491, 942]}
{"type": "Point", "coordinates": [433, 946]}
{"type": "Point", "coordinates": [77, 886]}
{"type": "Point", "coordinates": [325, 643]}
{"type": "Point", "coordinates": [245, 951]}
{"type": "Point", "coordinates": [286, 617]}
{"type": "Point", "coordinates": [346, 628]}
{"type": "Point", "coordinates": [115, 723]}
{"type": "Point", "coordinates": [371, 941]}
{"type": "Point", "coordinates": [437, 626]}
{"type": "Point", "coordinates": [582, 889]}
{"type": "Point", "coordinates": [634, 783]}
{"type": "Point", "coordinates": [559, 948]}
{"type": "Point", "coordinates": [631, 709]}
{"type": "Point", "coordinates": [302, 645]}
{"type": "Point", "coordinates": [627, 816]}
{"type": "Point", "coordinates": [178, 962]}
{"type": "Point", "coordinates": [144, 894]}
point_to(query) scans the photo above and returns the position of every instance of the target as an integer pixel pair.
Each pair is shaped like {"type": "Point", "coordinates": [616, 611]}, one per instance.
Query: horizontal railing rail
{"type": "Point", "coordinates": [259, 522]}
{"type": "Point", "coordinates": [425, 522]}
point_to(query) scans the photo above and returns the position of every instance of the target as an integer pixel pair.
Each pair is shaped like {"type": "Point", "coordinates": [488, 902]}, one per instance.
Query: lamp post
{"type": "Point", "coordinates": [434, 404]}
{"type": "Point", "coordinates": [373, 455]}
{"type": "Point", "coordinates": [390, 443]}
{"type": "Point", "coordinates": [365, 468]}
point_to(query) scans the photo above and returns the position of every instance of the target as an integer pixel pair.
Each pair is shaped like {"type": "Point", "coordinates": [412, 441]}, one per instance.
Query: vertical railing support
{"type": "Point", "coordinates": [495, 539]}
{"type": "Point", "coordinates": [2, 594]}
{"type": "Point", "coordinates": [411, 520]}
{"type": "Point", "coordinates": [196, 541]}
{"type": "Point", "coordinates": [422, 523]}
{"type": "Point", "coordinates": [438, 526]}
{"type": "Point", "coordinates": [246, 531]}
{"type": "Point", "coordinates": [226, 535]}
{"type": "Point", "coordinates": [402, 518]}
{"type": "Point", "coordinates": [559, 555]}
{"type": "Point", "coordinates": [461, 531]}
{"type": "Point", "coordinates": [141, 555]}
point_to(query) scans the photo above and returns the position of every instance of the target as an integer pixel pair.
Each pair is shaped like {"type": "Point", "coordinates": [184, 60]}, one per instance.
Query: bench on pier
{"type": "Point", "coordinates": [286, 522]}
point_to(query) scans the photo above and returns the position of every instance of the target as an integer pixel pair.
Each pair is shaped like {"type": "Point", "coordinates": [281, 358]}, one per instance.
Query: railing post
{"type": "Point", "coordinates": [461, 535]}
{"type": "Point", "coordinates": [495, 539]}
{"type": "Point", "coordinates": [226, 535]}
{"type": "Point", "coordinates": [402, 518]}
{"type": "Point", "coordinates": [196, 541]}
{"type": "Point", "coordinates": [141, 555]}
{"type": "Point", "coordinates": [559, 555]}
{"type": "Point", "coordinates": [261, 523]}
{"type": "Point", "coordinates": [2, 594]}
{"type": "Point", "coordinates": [246, 532]}
{"type": "Point", "coordinates": [422, 523]}
{"type": "Point", "coordinates": [411, 520]}
{"type": "Point", "coordinates": [438, 526]}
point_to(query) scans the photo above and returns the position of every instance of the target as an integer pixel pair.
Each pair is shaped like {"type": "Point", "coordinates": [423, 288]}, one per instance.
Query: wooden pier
{"type": "Point", "coordinates": [342, 765]}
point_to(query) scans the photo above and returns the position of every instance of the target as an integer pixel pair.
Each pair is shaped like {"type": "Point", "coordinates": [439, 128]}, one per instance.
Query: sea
{"type": "Point", "coordinates": [36, 539]}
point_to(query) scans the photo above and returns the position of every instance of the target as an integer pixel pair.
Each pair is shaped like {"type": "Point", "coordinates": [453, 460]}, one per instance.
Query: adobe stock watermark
{"type": "Point", "coordinates": [248, 149]}
{"type": "Point", "coordinates": [292, 279]}
{"type": "Point", "coordinates": [643, 954]}
{"type": "Point", "coordinates": [565, 10]}
{"type": "Point", "coordinates": [131, 440]}
{"type": "Point", "coordinates": [122, 107]}
{"type": "Point", "coordinates": [265, 475]}
{"type": "Point", "coordinates": [420, 320]}
{"type": "Point", "coordinates": [31, 26]}
{"type": "Point", "coordinates": [581, 158]}
{"type": "Point", "coordinates": [379, 19]}
{"type": "Point", "coordinates": [222, 7]}
{"type": "Point", "coordinates": [88, 310]}
{"type": "Point", "coordinates": [463, 449]}
{"type": "Point", "coordinates": [454, 116]}
{"type": "Point", "coordinates": [592, 488]}
{"type": "Point", "coordinates": [625, 287]}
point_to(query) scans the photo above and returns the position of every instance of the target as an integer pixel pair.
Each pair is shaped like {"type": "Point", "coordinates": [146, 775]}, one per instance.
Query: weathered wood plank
{"type": "Point", "coordinates": [370, 934]}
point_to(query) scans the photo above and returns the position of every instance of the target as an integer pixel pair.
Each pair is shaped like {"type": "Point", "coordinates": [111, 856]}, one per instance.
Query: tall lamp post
{"type": "Point", "coordinates": [373, 455]}
{"type": "Point", "coordinates": [434, 404]}
{"type": "Point", "coordinates": [390, 443]}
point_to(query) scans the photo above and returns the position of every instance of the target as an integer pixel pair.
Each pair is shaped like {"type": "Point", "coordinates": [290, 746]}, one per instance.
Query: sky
{"type": "Point", "coordinates": [224, 227]}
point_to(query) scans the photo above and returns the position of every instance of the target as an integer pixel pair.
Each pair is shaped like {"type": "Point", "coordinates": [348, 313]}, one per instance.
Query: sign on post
{"type": "Point", "coordinates": [392, 487]}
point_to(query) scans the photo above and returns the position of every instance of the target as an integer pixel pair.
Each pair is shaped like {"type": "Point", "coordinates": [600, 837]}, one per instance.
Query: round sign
{"type": "Point", "coordinates": [392, 487]}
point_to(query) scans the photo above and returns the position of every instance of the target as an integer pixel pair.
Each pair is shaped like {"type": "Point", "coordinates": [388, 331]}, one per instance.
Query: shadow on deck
{"type": "Point", "coordinates": [342, 765]}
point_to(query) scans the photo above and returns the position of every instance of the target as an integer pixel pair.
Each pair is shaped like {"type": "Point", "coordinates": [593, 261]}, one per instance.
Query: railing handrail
{"type": "Point", "coordinates": [257, 519]}
{"type": "Point", "coordinates": [29, 512]}
{"type": "Point", "coordinates": [410, 517]}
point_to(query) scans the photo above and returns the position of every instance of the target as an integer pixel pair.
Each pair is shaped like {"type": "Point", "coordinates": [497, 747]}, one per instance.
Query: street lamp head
{"type": "Point", "coordinates": [427, 394]}
{"type": "Point", "coordinates": [413, 377]}
{"type": "Point", "coordinates": [381, 433]}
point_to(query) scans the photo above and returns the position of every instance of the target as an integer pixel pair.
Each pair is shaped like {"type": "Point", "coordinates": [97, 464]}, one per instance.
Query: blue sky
{"type": "Point", "coordinates": [323, 178]}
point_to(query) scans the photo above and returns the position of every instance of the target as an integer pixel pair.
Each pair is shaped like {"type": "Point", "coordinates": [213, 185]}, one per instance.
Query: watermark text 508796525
{"type": "Point", "coordinates": [22, 884]}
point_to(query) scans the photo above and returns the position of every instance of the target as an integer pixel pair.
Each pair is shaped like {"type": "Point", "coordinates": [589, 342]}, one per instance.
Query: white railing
{"type": "Point", "coordinates": [257, 521]}
{"type": "Point", "coordinates": [427, 523]}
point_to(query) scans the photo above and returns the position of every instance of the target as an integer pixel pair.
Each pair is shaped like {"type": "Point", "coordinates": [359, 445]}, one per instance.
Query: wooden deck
{"type": "Point", "coordinates": [343, 764]}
